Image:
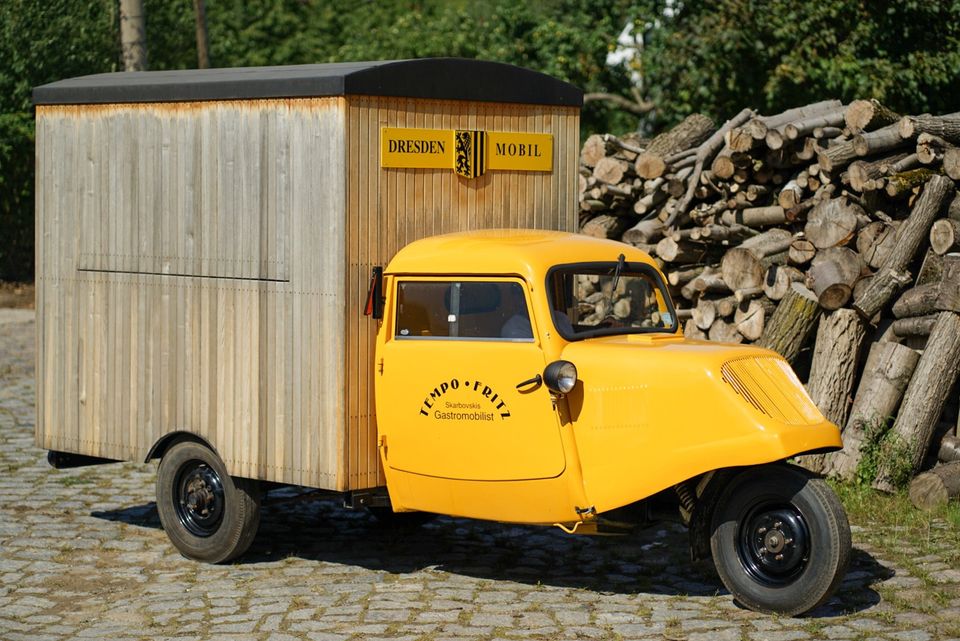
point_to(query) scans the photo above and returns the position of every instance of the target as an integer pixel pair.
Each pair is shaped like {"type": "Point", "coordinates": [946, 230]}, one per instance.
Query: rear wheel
{"type": "Point", "coordinates": [780, 540]}
{"type": "Point", "coordinates": [207, 514]}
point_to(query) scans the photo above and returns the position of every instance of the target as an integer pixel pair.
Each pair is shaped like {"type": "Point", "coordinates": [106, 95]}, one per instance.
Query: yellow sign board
{"type": "Point", "coordinates": [469, 153]}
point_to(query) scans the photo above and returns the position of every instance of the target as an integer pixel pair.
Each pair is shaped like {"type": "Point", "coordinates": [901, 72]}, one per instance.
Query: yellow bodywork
{"type": "Point", "coordinates": [464, 431]}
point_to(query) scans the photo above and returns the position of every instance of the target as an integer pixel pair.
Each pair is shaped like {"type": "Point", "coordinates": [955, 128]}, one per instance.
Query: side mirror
{"type": "Point", "coordinates": [374, 306]}
{"type": "Point", "coordinates": [560, 376]}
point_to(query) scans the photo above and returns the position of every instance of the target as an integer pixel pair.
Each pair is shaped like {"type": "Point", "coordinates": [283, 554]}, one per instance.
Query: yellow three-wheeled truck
{"type": "Point", "coordinates": [206, 241]}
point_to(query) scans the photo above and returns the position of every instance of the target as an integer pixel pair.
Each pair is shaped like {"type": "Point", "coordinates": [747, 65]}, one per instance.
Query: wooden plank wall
{"type": "Point", "coordinates": [190, 265]}
{"type": "Point", "coordinates": [389, 208]}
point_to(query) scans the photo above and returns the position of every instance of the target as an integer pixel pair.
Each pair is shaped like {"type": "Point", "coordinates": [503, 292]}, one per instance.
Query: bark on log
{"type": "Point", "coordinates": [904, 183]}
{"type": "Point", "coordinates": [886, 374]}
{"type": "Point", "coordinates": [796, 113]}
{"type": "Point", "coordinates": [917, 301]}
{"type": "Point", "coordinates": [837, 156]}
{"type": "Point", "coordinates": [805, 126]}
{"type": "Point", "coordinates": [832, 222]}
{"type": "Point", "coordinates": [605, 226]}
{"type": "Point", "coordinates": [915, 326]}
{"type": "Point", "coordinates": [788, 328]}
{"type": "Point", "coordinates": [833, 370]}
{"type": "Point", "coordinates": [936, 487]}
{"type": "Point", "coordinates": [711, 283]}
{"type": "Point", "coordinates": [694, 129]}
{"type": "Point", "coordinates": [681, 252]}
{"type": "Point", "coordinates": [791, 194]}
{"type": "Point", "coordinates": [866, 115]}
{"type": "Point", "coordinates": [832, 276]}
{"type": "Point", "coordinates": [756, 216]}
{"type": "Point", "coordinates": [876, 241]}
{"type": "Point", "coordinates": [949, 449]}
{"type": "Point", "coordinates": [862, 171]}
{"type": "Point", "coordinates": [891, 277]}
{"type": "Point", "coordinates": [947, 127]}
{"type": "Point", "coordinates": [645, 232]}
{"type": "Point", "coordinates": [925, 397]}
{"type": "Point", "coordinates": [945, 236]}
{"type": "Point", "coordinates": [879, 141]}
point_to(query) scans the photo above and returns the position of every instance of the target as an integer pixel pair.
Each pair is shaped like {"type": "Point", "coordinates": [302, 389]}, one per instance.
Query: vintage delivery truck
{"type": "Point", "coordinates": [361, 278]}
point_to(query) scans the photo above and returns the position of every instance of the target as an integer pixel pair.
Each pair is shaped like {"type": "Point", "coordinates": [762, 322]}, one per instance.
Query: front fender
{"type": "Point", "coordinates": [650, 414]}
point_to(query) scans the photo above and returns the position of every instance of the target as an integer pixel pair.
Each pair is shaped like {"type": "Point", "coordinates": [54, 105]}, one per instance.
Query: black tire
{"type": "Point", "coordinates": [208, 515]}
{"type": "Point", "coordinates": [780, 540]}
{"type": "Point", "coordinates": [386, 517]}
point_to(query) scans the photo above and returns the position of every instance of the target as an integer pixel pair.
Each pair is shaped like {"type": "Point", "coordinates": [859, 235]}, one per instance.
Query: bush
{"type": "Point", "coordinates": [16, 196]}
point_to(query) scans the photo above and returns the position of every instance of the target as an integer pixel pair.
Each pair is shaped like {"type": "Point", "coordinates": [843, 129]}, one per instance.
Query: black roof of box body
{"type": "Point", "coordinates": [438, 78]}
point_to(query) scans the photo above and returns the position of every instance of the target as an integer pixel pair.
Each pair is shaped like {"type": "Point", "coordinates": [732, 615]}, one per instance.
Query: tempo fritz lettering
{"type": "Point", "coordinates": [484, 394]}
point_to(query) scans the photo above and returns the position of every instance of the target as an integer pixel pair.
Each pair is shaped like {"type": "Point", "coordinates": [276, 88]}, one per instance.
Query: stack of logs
{"type": "Point", "coordinates": [827, 233]}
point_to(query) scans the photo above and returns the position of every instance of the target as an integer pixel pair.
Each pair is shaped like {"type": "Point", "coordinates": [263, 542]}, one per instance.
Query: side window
{"type": "Point", "coordinates": [495, 310]}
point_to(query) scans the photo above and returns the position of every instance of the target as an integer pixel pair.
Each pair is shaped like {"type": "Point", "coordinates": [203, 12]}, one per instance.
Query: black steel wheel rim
{"type": "Point", "coordinates": [199, 500]}
{"type": "Point", "coordinates": [773, 543]}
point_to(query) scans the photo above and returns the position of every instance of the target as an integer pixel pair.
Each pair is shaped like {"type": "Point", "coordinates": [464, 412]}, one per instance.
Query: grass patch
{"type": "Point", "coordinates": [890, 520]}
{"type": "Point", "coordinates": [70, 481]}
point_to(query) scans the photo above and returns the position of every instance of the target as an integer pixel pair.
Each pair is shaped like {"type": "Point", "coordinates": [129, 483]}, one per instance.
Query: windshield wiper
{"type": "Point", "coordinates": [621, 261]}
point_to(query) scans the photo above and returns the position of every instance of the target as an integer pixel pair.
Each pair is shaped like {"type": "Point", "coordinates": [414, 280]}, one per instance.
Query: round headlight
{"type": "Point", "coordinates": [560, 376]}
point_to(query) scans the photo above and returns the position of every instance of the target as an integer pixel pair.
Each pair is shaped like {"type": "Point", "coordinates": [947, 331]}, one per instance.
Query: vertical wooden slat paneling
{"type": "Point", "coordinates": [390, 208]}
{"type": "Point", "coordinates": [166, 294]}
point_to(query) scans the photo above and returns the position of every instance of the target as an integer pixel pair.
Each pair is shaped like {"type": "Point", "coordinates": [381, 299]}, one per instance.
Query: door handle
{"type": "Point", "coordinates": [536, 380]}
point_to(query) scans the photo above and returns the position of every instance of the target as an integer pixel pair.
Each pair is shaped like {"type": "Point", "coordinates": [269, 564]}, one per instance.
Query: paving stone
{"type": "Point", "coordinates": [88, 561]}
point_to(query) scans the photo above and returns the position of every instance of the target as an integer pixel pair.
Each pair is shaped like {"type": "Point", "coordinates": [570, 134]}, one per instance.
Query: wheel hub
{"type": "Point", "coordinates": [200, 499]}
{"type": "Point", "coordinates": [774, 544]}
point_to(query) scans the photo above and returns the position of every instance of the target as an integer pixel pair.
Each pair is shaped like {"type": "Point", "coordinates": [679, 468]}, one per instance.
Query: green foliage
{"type": "Point", "coordinates": [883, 448]}
{"type": "Point", "coordinates": [721, 56]}
{"type": "Point", "coordinates": [16, 196]}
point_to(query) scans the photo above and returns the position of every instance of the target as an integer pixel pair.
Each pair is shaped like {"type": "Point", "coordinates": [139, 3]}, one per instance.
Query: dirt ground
{"type": "Point", "coordinates": [16, 295]}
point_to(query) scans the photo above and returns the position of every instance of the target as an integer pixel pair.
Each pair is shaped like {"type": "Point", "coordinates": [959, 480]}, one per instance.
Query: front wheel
{"type": "Point", "coordinates": [208, 515]}
{"type": "Point", "coordinates": [780, 540]}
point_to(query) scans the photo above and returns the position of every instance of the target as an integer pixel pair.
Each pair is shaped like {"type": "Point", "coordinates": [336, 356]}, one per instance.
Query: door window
{"type": "Point", "coordinates": [465, 310]}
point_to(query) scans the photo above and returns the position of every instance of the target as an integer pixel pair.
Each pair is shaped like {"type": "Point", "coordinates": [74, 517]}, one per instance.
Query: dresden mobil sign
{"type": "Point", "coordinates": [469, 152]}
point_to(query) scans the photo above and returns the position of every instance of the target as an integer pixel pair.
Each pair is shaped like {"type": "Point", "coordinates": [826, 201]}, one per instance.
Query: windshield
{"type": "Point", "coordinates": [598, 299]}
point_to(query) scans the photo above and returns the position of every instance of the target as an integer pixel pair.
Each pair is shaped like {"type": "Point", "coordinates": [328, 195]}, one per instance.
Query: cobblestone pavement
{"type": "Point", "coordinates": [82, 555]}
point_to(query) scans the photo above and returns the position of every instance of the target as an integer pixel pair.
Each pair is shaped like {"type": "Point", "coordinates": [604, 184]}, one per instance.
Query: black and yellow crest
{"type": "Point", "coordinates": [470, 153]}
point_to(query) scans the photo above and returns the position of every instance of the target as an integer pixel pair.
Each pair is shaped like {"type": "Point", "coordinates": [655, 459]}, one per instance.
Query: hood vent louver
{"type": "Point", "coordinates": [771, 387]}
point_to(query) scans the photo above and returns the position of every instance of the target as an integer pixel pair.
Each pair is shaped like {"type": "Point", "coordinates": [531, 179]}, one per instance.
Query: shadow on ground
{"type": "Point", "coordinates": [652, 561]}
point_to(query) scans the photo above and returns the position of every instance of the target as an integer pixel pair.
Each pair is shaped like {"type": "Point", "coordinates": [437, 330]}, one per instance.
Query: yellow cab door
{"type": "Point", "coordinates": [458, 393]}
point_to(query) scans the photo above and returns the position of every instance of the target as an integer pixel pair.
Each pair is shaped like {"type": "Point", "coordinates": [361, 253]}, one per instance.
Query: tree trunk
{"type": "Point", "coordinates": [951, 163]}
{"type": "Point", "coordinates": [904, 183]}
{"type": "Point", "coordinates": [611, 170]}
{"type": "Point", "coordinates": [594, 150]}
{"type": "Point", "coordinates": [704, 314]}
{"type": "Point", "coordinates": [886, 374]}
{"type": "Point", "coordinates": [891, 277]}
{"type": "Point", "coordinates": [200, 15]}
{"type": "Point", "coordinates": [949, 449]}
{"type": "Point", "coordinates": [645, 232]}
{"type": "Point", "coordinates": [788, 328]}
{"type": "Point", "coordinates": [723, 332]}
{"type": "Point", "coordinates": [133, 35]}
{"type": "Point", "coordinates": [805, 126]}
{"type": "Point", "coordinates": [750, 317]}
{"type": "Point", "coordinates": [925, 397]}
{"type": "Point", "coordinates": [756, 216]}
{"type": "Point", "coordinates": [862, 171]}
{"type": "Point", "coordinates": [879, 141]}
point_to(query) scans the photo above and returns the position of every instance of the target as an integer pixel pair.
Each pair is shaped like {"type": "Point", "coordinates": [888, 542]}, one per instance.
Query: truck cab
{"type": "Point", "coordinates": [542, 377]}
